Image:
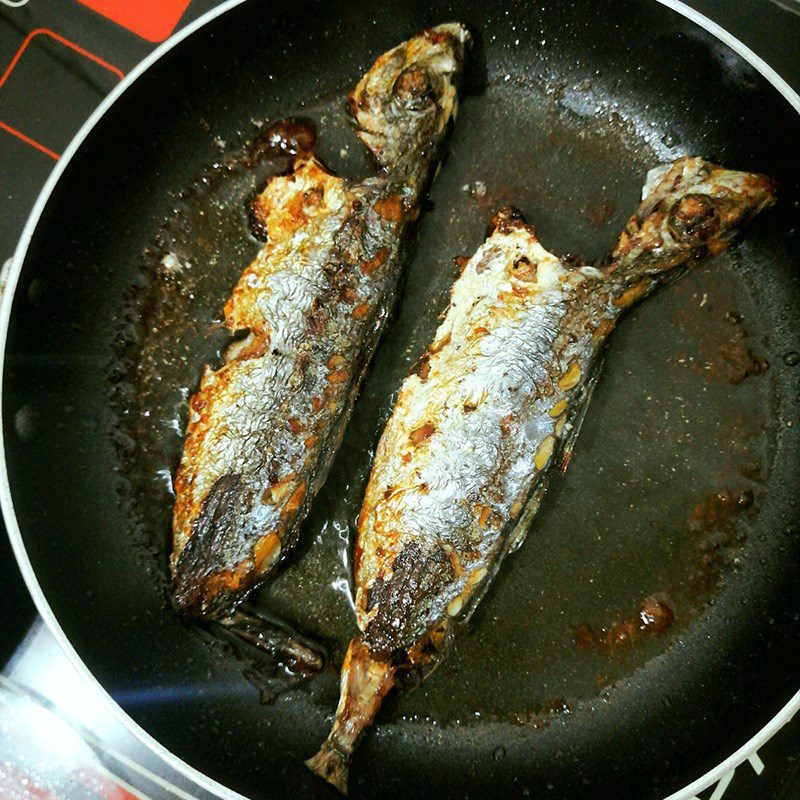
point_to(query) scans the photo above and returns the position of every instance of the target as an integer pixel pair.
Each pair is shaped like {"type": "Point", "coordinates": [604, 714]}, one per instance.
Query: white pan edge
{"type": "Point", "coordinates": [9, 286]}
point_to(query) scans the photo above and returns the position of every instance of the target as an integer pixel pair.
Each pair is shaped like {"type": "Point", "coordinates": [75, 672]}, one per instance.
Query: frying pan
{"type": "Point", "coordinates": [565, 107]}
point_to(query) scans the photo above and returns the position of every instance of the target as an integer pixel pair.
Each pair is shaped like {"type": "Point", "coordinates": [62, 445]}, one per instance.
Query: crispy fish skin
{"type": "Point", "coordinates": [263, 429]}
{"type": "Point", "coordinates": [463, 461]}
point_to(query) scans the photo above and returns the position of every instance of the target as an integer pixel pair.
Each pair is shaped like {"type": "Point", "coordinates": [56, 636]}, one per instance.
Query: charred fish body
{"type": "Point", "coordinates": [264, 427]}
{"type": "Point", "coordinates": [463, 461]}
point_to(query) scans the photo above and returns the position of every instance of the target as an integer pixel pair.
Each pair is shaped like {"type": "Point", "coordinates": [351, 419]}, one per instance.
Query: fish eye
{"type": "Point", "coordinates": [414, 88]}
{"type": "Point", "coordinates": [694, 217]}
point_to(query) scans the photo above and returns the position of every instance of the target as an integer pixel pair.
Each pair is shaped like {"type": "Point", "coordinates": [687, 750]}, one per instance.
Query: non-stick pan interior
{"type": "Point", "coordinates": [683, 482]}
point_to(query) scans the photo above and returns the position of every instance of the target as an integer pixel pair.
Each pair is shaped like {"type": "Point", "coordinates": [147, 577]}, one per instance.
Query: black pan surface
{"type": "Point", "coordinates": [684, 481]}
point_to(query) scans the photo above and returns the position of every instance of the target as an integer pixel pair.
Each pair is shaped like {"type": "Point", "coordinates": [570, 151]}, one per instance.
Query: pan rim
{"type": "Point", "coordinates": [8, 284]}
{"type": "Point", "coordinates": [9, 277]}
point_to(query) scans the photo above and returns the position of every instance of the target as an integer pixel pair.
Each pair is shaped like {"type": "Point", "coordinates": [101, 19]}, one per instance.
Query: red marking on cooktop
{"type": "Point", "coordinates": [28, 140]}
{"type": "Point", "coordinates": [153, 20]}
{"type": "Point", "coordinates": [13, 63]}
{"type": "Point", "coordinates": [17, 785]}
{"type": "Point", "coordinates": [104, 787]}
{"type": "Point", "coordinates": [53, 35]}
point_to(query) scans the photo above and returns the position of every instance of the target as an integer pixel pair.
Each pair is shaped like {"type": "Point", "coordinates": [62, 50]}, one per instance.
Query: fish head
{"type": "Point", "coordinates": [404, 103]}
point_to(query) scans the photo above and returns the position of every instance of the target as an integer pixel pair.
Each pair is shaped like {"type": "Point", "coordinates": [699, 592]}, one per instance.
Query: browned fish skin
{"type": "Point", "coordinates": [474, 435]}
{"type": "Point", "coordinates": [263, 429]}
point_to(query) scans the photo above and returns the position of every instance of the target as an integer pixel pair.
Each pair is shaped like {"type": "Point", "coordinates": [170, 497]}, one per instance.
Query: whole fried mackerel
{"type": "Point", "coordinates": [463, 462]}
{"type": "Point", "coordinates": [264, 428]}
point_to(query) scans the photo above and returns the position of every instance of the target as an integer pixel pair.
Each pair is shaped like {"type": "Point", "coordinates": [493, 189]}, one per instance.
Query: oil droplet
{"type": "Point", "coordinates": [25, 423]}
{"type": "Point", "coordinates": [35, 291]}
{"type": "Point", "coordinates": [734, 317]}
{"type": "Point", "coordinates": [165, 476]}
{"type": "Point", "coordinates": [671, 139]}
{"type": "Point", "coordinates": [792, 358]}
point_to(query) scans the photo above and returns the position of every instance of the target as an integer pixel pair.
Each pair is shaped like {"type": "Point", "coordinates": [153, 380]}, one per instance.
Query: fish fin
{"type": "Point", "coordinates": [331, 765]}
{"type": "Point", "coordinates": [424, 657]}
{"type": "Point", "coordinates": [295, 653]}
{"type": "Point", "coordinates": [579, 414]}
{"type": "Point", "coordinates": [520, 532]}
{"type": "Point", "coordinates": [514, 541]}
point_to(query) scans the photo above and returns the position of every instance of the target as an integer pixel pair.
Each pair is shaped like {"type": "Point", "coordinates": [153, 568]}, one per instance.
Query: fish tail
{"type": "Point", "coordinates": [408, 97]}
{"type": "Point", "coordinates": [690, 209]}
{"type": "Point", "coordinates": [365, 682]}
{"type": "Point", "coordinates": [332, 765]}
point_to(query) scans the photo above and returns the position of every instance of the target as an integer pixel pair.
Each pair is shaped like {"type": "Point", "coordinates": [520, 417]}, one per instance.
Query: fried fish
{"type": "Point", "coordinates": [489, 414]}
{"type": "Point", "coordinates": [308, 312]}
